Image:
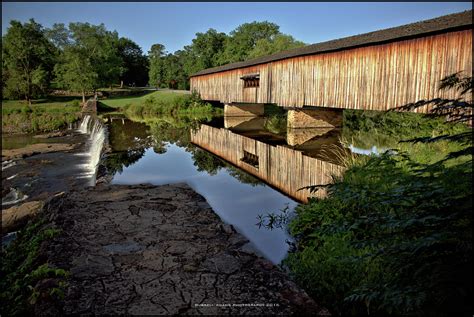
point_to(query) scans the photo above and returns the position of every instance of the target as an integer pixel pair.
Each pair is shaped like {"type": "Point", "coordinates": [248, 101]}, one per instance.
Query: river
{"type": "Point", "coordinates": [215, 161]}
{"type": "Point", "coordinates": [244, 167]}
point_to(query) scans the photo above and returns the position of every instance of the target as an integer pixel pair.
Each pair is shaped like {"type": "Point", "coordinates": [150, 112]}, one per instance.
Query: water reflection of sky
{"type": "Point", "coordinates": [236, 203]}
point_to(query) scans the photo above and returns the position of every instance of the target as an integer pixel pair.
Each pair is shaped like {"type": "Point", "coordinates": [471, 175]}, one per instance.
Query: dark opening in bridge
{"type": "Point", "coordinates": [250, 159]}
{"type": "Point", "coordinates": [251, 80]}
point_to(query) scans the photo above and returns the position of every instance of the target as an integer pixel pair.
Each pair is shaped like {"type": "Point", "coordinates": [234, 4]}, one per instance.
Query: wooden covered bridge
{"type": "Point", "coordinates": [380, 70]}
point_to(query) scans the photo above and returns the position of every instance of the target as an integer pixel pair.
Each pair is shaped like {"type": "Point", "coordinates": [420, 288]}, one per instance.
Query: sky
{"type": "Point", "coordinates": [175, 24]}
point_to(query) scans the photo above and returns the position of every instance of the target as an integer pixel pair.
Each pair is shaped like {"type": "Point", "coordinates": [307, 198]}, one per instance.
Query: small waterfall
{"type": "Point", "coordinates": [83, 128]}
{"type": "Point", "coordinates": [97, 134]}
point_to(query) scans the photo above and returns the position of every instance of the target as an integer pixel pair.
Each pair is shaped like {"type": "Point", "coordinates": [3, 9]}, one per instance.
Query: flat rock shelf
{"type": "Point", "coordinates": [144, 249]}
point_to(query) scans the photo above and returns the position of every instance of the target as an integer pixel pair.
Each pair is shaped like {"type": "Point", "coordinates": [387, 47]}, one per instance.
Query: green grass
{"type": "Point", "coordinates": [120, 102]}
{"type": "Point", "coordinates": [66, 105]}
{"type": "Point", "coordinates": [166, 104]}
{"type": "Point", "coordinates": [42, 116]}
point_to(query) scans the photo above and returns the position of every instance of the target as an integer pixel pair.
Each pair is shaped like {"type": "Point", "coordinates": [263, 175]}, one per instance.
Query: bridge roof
{"type": "Point", "coordinates": [441, 24]}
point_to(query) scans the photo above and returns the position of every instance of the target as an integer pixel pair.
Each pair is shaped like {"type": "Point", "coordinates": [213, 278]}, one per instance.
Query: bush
{"type": "Point", "coordinates": [395, 233]}
{"type": "Point", "coordinates": [394, 236]}
{"type": "Point", "coordinates": [26, 109]}
{"type": "Point", "coordinates": [23, 267]}
{"type": "Point", "coordinates": [171, 105]}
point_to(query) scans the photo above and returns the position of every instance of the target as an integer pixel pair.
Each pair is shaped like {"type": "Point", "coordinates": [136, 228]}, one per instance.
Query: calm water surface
{"type": "Point", "coordinates": [162, 152]}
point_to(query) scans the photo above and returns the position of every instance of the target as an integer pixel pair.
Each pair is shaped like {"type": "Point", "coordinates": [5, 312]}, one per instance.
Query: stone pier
{"type": "Point", "coordinates": [315, 118]}
{"type": "Point", "coordinates": [296, 137]}
{"type": "Point", "coordinates": [244, 123]}
{"type": "Point", "coordinates": [243, 110]}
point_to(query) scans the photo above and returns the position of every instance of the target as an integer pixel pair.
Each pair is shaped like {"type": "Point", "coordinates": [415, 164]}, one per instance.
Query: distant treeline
{"type": "Point", "coordinates": [82, 57]}
{"type": "Point", "coordinates": [213, 48]}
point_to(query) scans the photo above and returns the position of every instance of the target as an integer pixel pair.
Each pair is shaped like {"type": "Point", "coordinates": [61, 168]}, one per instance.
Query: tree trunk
{"type": "Point", "coordinates": [28, 94]}
{"type": "Point", "coordinates": [83, 97]}
{"type": "Point", "coordinates": [121, 84]}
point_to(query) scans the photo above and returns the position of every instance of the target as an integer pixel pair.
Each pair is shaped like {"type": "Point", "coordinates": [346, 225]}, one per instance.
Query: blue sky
{"type": "Point", "coordinates": [175, 24]}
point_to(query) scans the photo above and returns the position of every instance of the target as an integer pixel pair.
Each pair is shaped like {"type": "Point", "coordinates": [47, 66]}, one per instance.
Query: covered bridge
{"type": "Point", "coordinates": [373, 71]}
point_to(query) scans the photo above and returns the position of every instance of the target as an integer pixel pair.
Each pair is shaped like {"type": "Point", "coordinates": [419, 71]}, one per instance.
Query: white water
{"type": "Point", "coordinates": [83, 128]}
{"type": "Point", "coordinates": [7, 164]}
{"type": "Point", "coordinates": [13, 197]}
{"type": "Point", "coordinates": [95, 144]}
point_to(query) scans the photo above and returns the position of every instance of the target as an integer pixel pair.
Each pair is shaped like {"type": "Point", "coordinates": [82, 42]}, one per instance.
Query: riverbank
{"type": "Point", "coordinates": [394, 235]}
{"type": "Point", "coordinates": [33, 149]}
{"type": "Point", "coordinates": [32, 173]}
{"type": "Point", "coordinates": [42, 116]}
{"type": "Point", "coordinates": [163, 252]}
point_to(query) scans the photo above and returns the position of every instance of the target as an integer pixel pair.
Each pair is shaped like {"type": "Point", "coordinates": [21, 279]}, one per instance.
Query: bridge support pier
{"type": "Point", "coordinates": [314, 118]}
{"type": "Point", "coordinates": [296, 137]}
{"type": "Point", "coordinates": [244, 123]}
{"type": "Point", "coordinates": [243, 110]}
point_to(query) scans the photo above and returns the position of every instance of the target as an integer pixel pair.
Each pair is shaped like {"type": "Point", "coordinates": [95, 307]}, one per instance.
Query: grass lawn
{"type": "Point", "coordinates": [42, 116]}
{"type": "Point", "coordinates": [163, 96]}
{"type": "Point", "coordinates": [51, 105]}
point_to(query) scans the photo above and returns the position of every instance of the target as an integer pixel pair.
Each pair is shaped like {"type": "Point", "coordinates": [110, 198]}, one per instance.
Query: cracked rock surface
{"type": "Point", "coordinates": [150, 250]}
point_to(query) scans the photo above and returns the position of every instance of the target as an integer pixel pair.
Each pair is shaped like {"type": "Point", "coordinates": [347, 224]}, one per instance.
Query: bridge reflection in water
{"type": "Point", "coordinates": [282, 167]}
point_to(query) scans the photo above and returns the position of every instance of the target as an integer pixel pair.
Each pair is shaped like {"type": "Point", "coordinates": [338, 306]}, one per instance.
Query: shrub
{"type": "Point", "coordinates": [394, 236]}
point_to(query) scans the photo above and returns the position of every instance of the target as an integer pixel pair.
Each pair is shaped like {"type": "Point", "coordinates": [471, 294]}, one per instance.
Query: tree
{"type": "Point", "coordinates": [244, 38]}
{"type": "Point", "coordinates": [27, 61]}
{"type": "Point", "coordinates": [59, 35]}
{"type": "Point", "coordinates": [76, 72]}
{"type": "Point", "coordinates": [214, 48]}
{"type": "Point", "coordinates": [205, 51]}
{"type": "Point", "coordinates": [155, 58]}
{"type": "Point", "coordinates": [135, 63]}
{"type": "Point", "coordinates": [174, 75]}
{"type": "Point", "coordinates": [90, 60]}
{"type": "Point", "coordinates": [278, 43]}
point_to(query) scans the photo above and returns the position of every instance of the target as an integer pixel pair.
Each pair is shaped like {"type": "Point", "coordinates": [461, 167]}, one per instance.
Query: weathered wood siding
{"type": "Point", "coordinates": [377, 77]}
{"type": "Point", "coordinates": [281, 167]}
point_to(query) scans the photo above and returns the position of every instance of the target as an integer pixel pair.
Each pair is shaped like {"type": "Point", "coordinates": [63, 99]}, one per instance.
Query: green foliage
{"type": "Point", "coordinates": [170, 104]}
{"type": "Point", "coordinates": [410, 228]}
{"type": "Point", "coordinates": [205, 161]}
{"type": "Point", "coordinates": [276, 124]}
{"type": "Point", "coordinates": [244, 38]}
{"type": "Point", "coordinates": [75, 71]}
{"type": "Point", "coordinates": [134, 63]}
{"type": "Point", "coordinates": [278, 43]}
{"type": "Point", "coordinates": [331, 263]}
{"type": "Point", "coordinates": [27, 61]}
{"type": "Point", "coordinates": [388, 128]}
{"type": "Point", "coordinates": [23, 268]}
{"type": "Point", "coordinates": [85, 57]}
{"type": "Point", "coordinates": [214, 48]}
{"type": "Point", "coordinates": [394, 236]}
{"type": "Point", "coordinates": [59, 35]}
{"type": "Point", "coordinates": [156, 71]}
{"type": "Point", "coordinates": [204, 51]}
{"type": "Point", "coordinates": [90, 59]}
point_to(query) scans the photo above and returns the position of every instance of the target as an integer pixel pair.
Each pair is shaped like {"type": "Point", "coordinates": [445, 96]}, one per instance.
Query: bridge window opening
{"type": "Point", "coordinates": [251, 80]}
{"type": "Point", "coordinates": [250, 159]}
